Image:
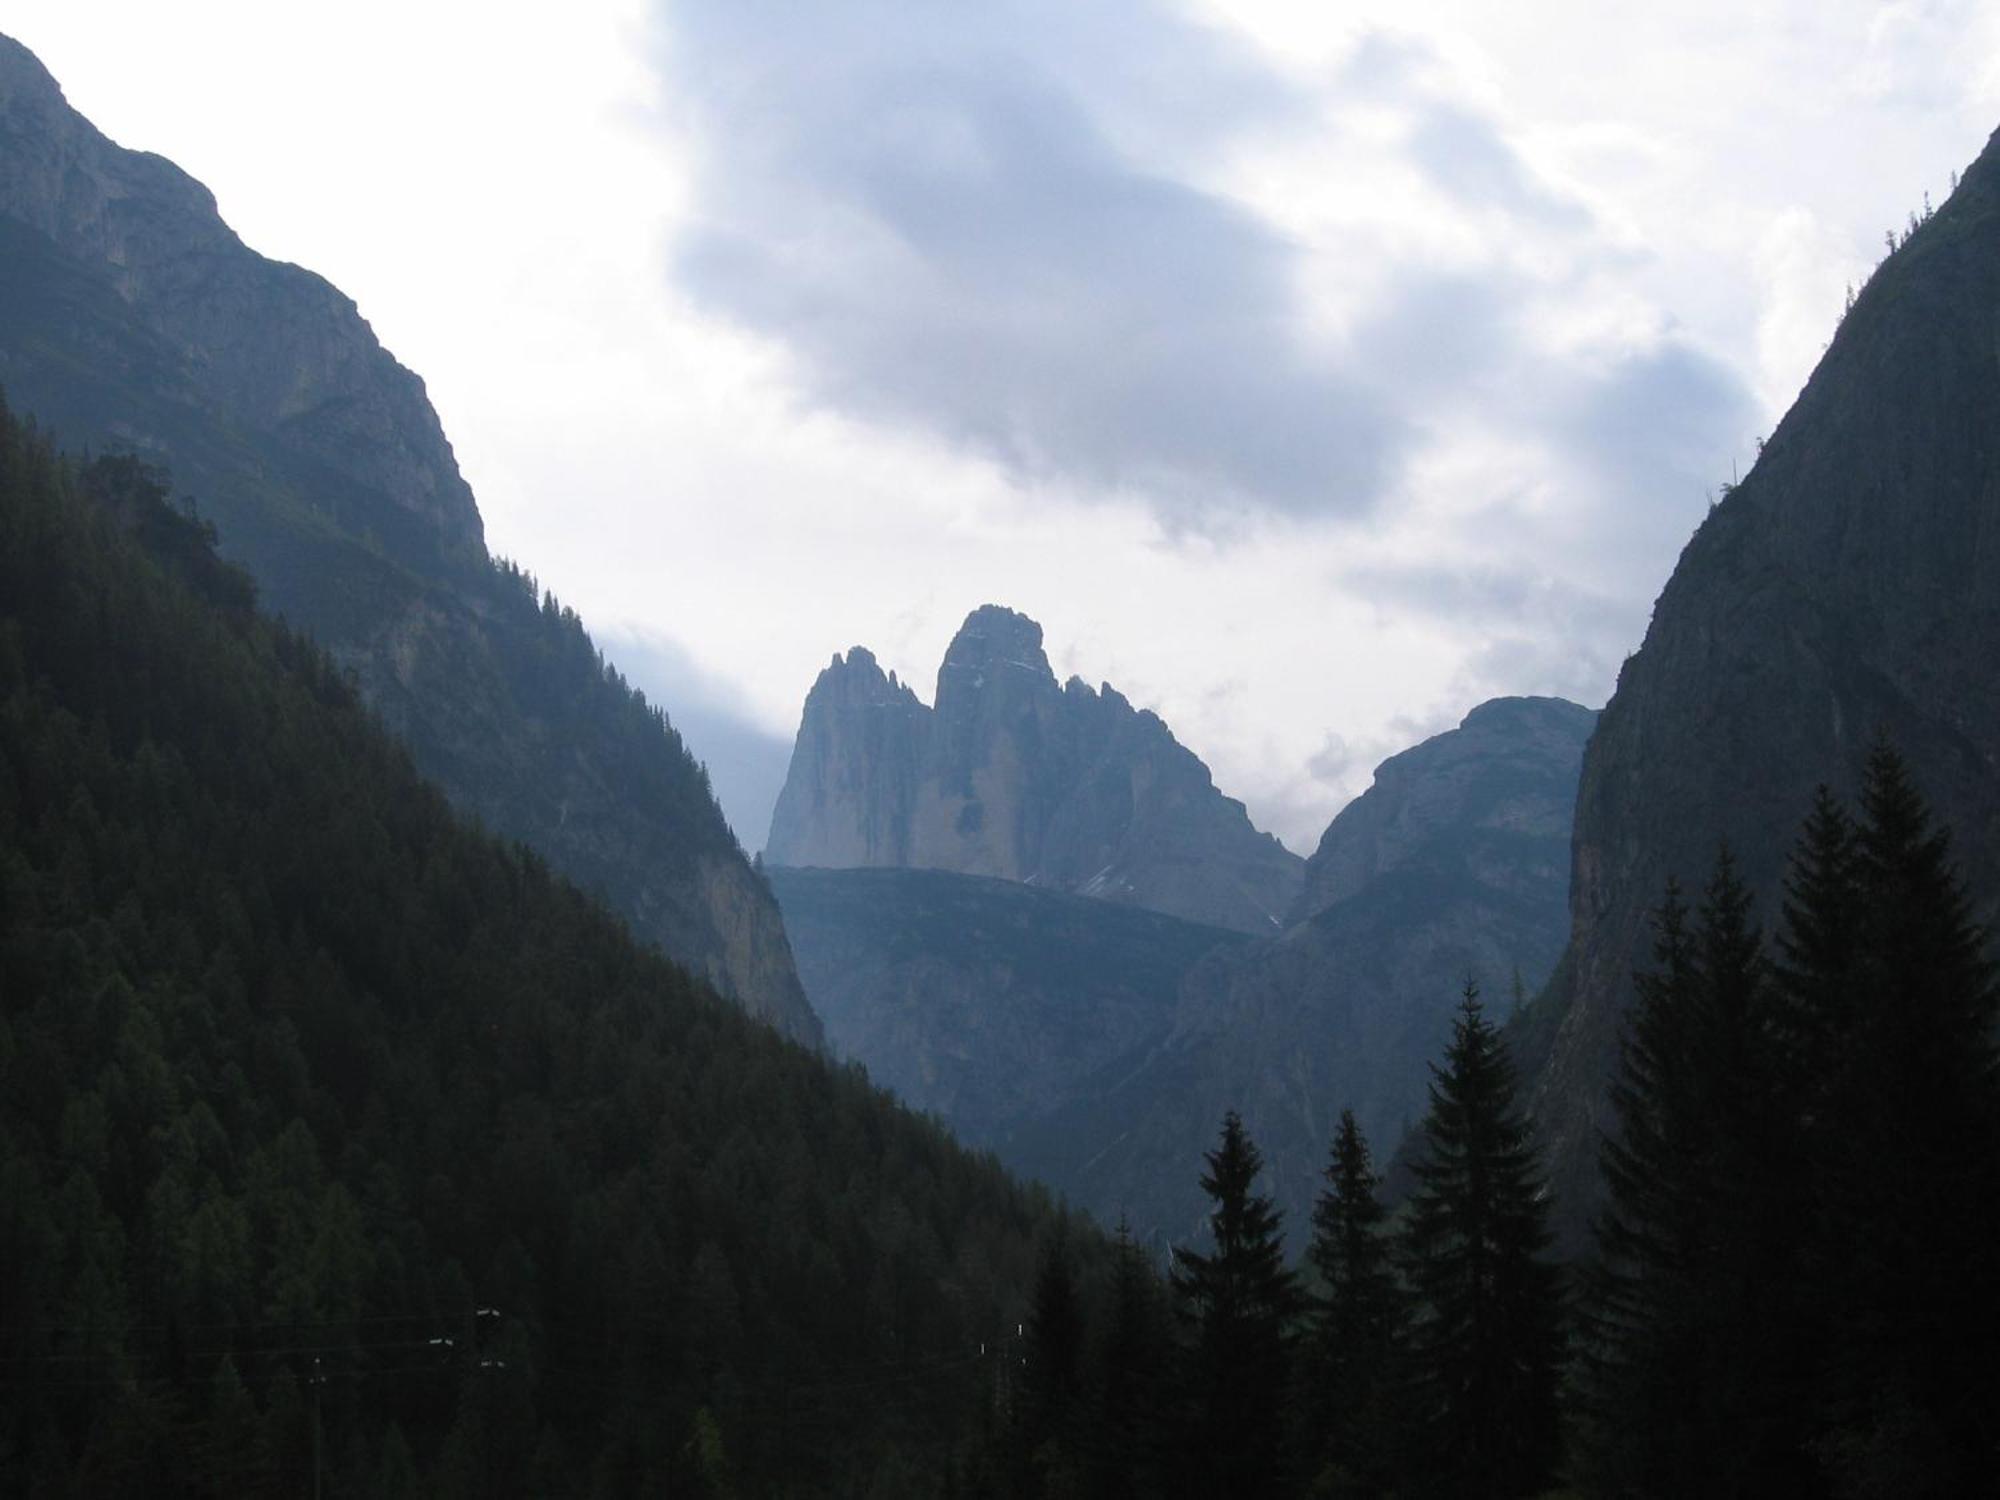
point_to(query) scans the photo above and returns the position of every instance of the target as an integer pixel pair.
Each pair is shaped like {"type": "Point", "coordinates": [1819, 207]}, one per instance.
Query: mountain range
{"type": "Point", "coordinates": [1097, 1052]}
{"type": "Point", "coordinates": [132, 319]}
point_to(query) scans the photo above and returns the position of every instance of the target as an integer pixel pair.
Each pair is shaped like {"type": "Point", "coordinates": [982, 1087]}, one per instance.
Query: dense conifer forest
{"type": "Point", "coordinates": [339, 1140]}
{"type": "Point", "coordinates": [341, 1145]}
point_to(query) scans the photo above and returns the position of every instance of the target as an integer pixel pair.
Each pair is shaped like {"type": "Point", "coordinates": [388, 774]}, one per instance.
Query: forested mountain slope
{"type": "Point", "coordinates": [321, 1113]}
{"type": "Point", "coordinates": [132, 318]}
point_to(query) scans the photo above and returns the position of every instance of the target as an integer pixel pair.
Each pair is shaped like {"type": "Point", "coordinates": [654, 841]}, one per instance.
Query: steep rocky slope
{"type": "Point", "coordinates": [1848, 588]}
{"type": "Point", "coordinates": [1015, 776]}
{"type": "Point", "coordinates": [984, 1002]}
{"type": "Point", "coordinates": [1454, 864]}
{"type": "Point", "coordinates": [132, 317]}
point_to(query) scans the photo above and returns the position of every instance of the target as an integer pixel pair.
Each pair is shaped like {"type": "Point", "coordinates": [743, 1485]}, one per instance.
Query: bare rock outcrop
{"type": "Point", "coordinates": [1015, 776]}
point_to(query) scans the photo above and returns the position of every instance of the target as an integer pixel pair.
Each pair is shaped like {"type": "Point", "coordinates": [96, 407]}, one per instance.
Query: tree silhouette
{"type": "Point", "coordinates": [1235, 1302]}
{"type": "Point", "coordinates": [1487, 1339]}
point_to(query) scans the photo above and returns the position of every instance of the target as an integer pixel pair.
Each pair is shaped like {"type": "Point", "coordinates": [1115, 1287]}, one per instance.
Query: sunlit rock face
{"type": "Point", "coordinates": [1017, 776]}
{"type": "Point", "coordinates": [133, 318]}
{"type": "Point", "coordinates": [1847, 590]}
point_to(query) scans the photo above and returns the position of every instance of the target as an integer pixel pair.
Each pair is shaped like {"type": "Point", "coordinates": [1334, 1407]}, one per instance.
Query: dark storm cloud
{"type": "Point", "coordinates": [954, 218]}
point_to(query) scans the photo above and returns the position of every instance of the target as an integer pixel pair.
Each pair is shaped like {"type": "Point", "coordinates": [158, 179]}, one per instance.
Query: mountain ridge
{"type": "Point", "coordinates": [1010, 774]}
{"type": "Point", "coordinates": [132, 318]}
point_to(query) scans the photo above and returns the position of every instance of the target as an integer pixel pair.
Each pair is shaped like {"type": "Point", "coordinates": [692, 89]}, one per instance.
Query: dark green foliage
{"type": "Point", "coordinates": [1900, 1122]}
{"type": "Point", "coordinates": [297, 1074]}
{"type": "Point", "coordinates": [1694, 1362]}
{"type": "Point", "coordinates": [1796, 1293]}
{"type": "Point", "coordinates": [1356, 1364]}
{"type": "Point", "coordinates": [1487, 1340]}
{"type": "Point", "coordinates": [1050, 1415]}
{"type": "Point", "coordinates": [1128, 1380]}
{"type": "Point", "coordinates": [1235, 1303]}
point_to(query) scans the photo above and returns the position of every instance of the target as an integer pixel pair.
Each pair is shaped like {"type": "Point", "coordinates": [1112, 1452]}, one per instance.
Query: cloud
{"type": "Point", "coordinates": [1470, 160]}
{"type": "Point", "coordinates": [948, 228]}
{"type": "Point", "coordinates": [1379, 325]}
{"type": "Point", "coordinates": [998, 227]}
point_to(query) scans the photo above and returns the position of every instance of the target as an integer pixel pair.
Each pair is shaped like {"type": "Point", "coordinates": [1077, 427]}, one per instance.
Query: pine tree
{"type": "Point", "coordinates": [1127, 1391]}
{"type": "Point", "coordinates": [1235, 1303]}
{"type": "Point", "coordinates": [1487, 1338]}
{"type": "Point", "coordinates": [1052, 1374]}
{"type": "Point", "coordinates": [1905, 1135]}
{"type": "Point", "coordinates": [1819, 947]}
{"type": "Point", "coordinates": [1691, 1365]}
{"type": "Point", "coordinates": [1353, 1405]}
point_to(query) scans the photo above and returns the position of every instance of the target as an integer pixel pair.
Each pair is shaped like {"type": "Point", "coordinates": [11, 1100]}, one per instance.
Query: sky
{"type": "Point", "coordinates": [1311, 373]}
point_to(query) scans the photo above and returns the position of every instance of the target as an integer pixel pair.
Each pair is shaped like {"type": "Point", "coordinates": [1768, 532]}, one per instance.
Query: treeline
{"type": "Point", "coordinates": [1794, 1291]}
{"type": "Point", "coordinates": [1419, 1358]}
{"type": "Point", "coordinates": [346, 1150]}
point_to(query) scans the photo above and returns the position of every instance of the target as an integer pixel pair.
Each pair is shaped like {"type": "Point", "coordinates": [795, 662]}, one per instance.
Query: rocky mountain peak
{"type": "Point", "coordinates": [1013, 776]}
{"type": "Point", "coordinates": [994, 635]}
{"type": "Point", "coordinates": [287, 352]}
{"type": "Point", "coordinates": [1509, 769]}
{"type": "Point", "coordinates": [859, 678]}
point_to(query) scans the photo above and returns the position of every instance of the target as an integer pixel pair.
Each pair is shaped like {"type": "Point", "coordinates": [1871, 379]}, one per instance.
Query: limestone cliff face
{"type": "Point", "coordinates": [132, 317]}
{"type": "Point", "coordinates": [1504, 776]}
{"type": "Point", "coordinates": [1454, 864]}
{"type": "Point", "coordinates": [848, 798]}
{"type": "Point", "coordinates": [1015, 776]}
{"type": "Point", "coordinates": [284, 352]}
{"type": "Point", "coordinates": [1848, 588]}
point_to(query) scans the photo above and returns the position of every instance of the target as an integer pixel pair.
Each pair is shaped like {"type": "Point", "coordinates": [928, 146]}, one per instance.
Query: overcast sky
{"type": "Point", "coordinates": [1312, 373]}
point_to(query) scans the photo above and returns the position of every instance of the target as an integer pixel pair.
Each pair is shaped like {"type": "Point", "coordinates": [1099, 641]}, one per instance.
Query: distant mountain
{"type": "Point", "coordinates": [131, 317]}
{"type": "Point", "coordinates": [984, 1002]}
{"type": "Point", "coordinates": [340, 1137]}
{"type": "Point", "coordinates": [1454, 864]}
{"type": "Point", "coordinates": [1848, 588]}
{"type": "Point", "coordinates": [1015, 776]}
{"type": "Point", "coordinates": [1096, 1047]}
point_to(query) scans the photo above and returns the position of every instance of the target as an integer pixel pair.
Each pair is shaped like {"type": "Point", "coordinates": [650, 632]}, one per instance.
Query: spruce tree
{"type": "Point", "coordinates": [1905, 1135]}
{"type": "Point", "coordinates": [1354, 1377]}
{"type": "Point", "coordinates": [1487, 1338]}
{"type": "Point", "coordinates": [1128, 1388]}
{"type": "Point", "coordinates": [1235, 1303]}
{"type": "Point", "coordinates": [1819, 945]}
{"type": "Point", "coordinates": [1690, 1366]}
{"type": "Point", "coordinates": [1052, 1376]}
